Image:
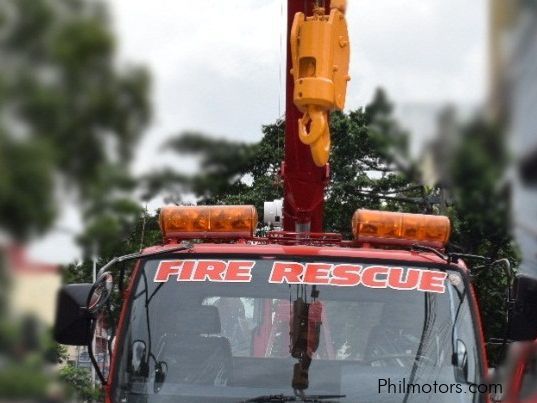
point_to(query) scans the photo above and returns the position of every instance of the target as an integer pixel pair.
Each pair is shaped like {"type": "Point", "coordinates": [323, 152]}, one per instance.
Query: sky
{"type": "Point", "coordinates": [218, 67]}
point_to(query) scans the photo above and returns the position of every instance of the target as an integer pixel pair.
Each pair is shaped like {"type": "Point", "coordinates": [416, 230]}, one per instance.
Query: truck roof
{"type": "Point", "coordinates": [307, 250]}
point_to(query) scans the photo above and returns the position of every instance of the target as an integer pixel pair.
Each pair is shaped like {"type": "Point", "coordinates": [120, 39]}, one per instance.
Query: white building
{"type": "Point", "coordinates": [521, 97]}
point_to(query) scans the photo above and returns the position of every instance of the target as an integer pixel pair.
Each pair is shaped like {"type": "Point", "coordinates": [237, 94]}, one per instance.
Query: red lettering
{"type": "Point", "coordinates": [317, 273]}
{"type": "Point", "coordinates": [346, 275]}
{"type": "Point", "coordinates": [432, 281]}
{"type": "Point", "coordinates": [239, 271]}
{"type": "Point", "coordinates": [396, 280]}
{"type": "Point", "coordinates": [297, 273]}
{"type": "Point", "coordinates": [186, 270]}
{"type": "Point", "coordinates": [369, 277]}
{"type": "Point", "coordinates": [166, 269]}
{"type": "Point", "coordinates": [290, 272]}
{"type": "Point", "coordinates": [211, 270]}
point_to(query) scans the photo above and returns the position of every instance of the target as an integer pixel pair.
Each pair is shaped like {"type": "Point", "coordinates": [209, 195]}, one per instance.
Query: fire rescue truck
{"type": "Point", "coordinates": [218, 314]}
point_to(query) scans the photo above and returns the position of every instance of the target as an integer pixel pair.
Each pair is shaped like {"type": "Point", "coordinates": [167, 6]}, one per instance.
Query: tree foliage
{"type": "Point", "coordinates": [480, 215]}
{"type": "Point", "coordinates": [26, 186]}
{"type": "Point", "coordinates": [70, 118]}
{"type": "Point", "coordinates": [66, 110]}
{"type": "Point", "coordinates": [25, 350]}
{"type": "Point", "coordinates": [79, 381]}
{"type": "Point", "coordinates": [367, 143]}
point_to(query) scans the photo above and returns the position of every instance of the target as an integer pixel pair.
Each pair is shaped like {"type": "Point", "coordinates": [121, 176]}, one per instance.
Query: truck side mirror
{"type": "Point", "coordinates": [100, 293]}
{"type": "Point", "coordinates": [72, 323]}
{"type": "Point", "coordinates": [523, 320]}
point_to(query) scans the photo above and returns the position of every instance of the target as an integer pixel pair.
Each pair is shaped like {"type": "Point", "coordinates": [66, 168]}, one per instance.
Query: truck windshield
{"type": "Point", "coordinates": [218, 330]}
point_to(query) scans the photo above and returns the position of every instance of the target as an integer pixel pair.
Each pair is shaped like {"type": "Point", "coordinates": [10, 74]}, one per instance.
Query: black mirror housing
{"type": "Point", "coordinates": [72, 322]}
{"type": "Point", "coordinates": [523, 321]}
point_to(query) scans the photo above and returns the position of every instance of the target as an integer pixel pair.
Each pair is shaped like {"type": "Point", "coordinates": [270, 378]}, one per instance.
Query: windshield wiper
{"type": "Point", "coordinates": [284, 398]}
{"type": "Point", "coordinates": [428, 320]}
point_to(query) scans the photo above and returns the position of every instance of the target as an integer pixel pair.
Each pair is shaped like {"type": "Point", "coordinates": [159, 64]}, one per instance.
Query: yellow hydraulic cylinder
{"type": "Point", "coordinates": [320, 67]}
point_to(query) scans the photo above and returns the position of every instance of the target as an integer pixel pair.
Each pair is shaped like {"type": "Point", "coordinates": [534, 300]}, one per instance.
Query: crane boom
{"type": "Point", "coordinates": [318, 66]}
{"type": "Point", "coordinates": [304, 182]}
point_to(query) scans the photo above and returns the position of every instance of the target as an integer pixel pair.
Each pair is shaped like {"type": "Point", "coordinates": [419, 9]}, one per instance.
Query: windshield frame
{"type": "Point", "coordinates": [136, 276]}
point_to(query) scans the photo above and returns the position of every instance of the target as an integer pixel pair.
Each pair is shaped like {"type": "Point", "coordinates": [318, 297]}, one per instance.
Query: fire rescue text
{"type": "Point", "coordinates": [343, 275]}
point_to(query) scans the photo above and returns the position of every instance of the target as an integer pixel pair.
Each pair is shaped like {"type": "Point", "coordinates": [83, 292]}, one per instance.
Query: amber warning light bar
{"type": "Point", "coordinates": [369, 226]}
{"type": "Point", "coordinates": [189, 222]}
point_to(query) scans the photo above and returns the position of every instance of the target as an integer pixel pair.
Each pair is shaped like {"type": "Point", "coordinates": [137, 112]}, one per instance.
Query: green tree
{"type": "Point", "coordinates": [79, 381]}
{"type": "Point", "coordinates": [69, 121]}
{"type": "Point", "coordinates": [24, 349]}
{"type": "Point", "coordinates": [480, 216]}
{"type": "Point", "coordinates": [26, 186]}
{"type": "Point", "coordinates": [367, 145]}
{"type": "Point", "coordinates": [66, 110]}
{"type": "Point", "coordinates": [23, 381]}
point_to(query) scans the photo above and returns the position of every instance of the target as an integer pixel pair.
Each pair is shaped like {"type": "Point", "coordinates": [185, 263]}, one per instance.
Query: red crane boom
{"type": "Point", "coordinates": [304, 182]}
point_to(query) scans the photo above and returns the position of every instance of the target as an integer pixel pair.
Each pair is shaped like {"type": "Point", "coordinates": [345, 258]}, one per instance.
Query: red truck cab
{"type": "Point", "coordinates": [288, 317]}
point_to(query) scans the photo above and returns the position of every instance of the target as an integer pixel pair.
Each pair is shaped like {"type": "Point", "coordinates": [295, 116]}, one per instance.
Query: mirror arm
{"type": "Point", "coordinates": [92, 356]}
{"type": "Point", "coordinates": [508, 270]}
{"type": "Point", "coordinates": [141, 255]}
{"type": "Point", "coordinates": [119, 259]}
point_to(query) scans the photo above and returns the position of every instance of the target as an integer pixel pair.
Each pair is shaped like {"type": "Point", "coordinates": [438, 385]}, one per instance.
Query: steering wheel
{"type": "Point", "coordinates": [412, 357]}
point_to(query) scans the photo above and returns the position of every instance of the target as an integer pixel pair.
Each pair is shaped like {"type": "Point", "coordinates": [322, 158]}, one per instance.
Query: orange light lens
{"type": "Point", "coordinates": [208, 221]}
{"type": "Point", "coordinates": [402, 228]}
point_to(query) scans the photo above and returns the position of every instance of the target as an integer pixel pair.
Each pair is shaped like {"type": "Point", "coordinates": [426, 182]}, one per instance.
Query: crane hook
{"type": "Point", "coordinates": [320, 55]}
{"type": "Point", "coordinates": [318, 134]}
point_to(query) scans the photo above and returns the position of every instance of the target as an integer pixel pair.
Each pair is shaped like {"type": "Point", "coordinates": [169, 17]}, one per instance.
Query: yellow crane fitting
{"type": "Point", "coordinates": [320, 67]}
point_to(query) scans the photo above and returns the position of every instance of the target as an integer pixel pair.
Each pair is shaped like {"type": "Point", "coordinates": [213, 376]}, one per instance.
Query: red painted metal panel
{"type": "Point", "coordinates": [305, 250]}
